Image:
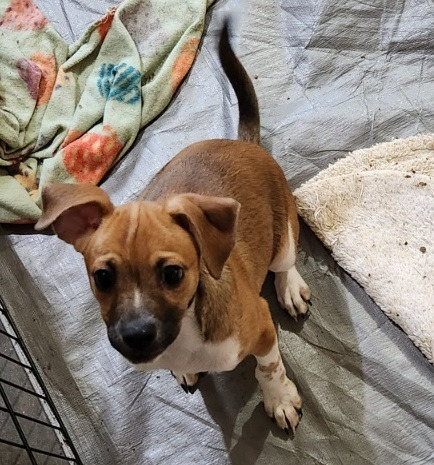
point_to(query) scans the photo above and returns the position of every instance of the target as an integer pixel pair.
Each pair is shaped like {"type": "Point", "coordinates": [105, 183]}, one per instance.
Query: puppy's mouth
{"type": "Point", "coordinates": [147, 350]}
{"type": "Point", "coordinates": [140, 357]}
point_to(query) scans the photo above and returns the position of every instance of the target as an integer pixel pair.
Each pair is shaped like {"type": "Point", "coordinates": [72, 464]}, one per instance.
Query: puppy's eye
{"type": "Point", "coordinates": [104, 279]}
{"type": "Point", "coordinates": [172, 275]}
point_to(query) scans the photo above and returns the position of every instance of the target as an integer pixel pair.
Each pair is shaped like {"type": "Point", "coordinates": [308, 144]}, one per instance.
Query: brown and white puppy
{"type": "Point", "coordinates": [178, 274]}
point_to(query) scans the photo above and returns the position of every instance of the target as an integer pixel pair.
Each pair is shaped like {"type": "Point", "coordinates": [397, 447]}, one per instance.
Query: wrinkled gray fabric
{"type": "Point", "coordinates": [331, 77]}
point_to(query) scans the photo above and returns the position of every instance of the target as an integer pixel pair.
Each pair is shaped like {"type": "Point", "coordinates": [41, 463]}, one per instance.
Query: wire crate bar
{"type": "Point", "coordinates": [31, 429]}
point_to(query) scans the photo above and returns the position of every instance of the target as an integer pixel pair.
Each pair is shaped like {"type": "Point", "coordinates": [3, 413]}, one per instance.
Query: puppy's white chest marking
{"type": "Point", "coordinates": [190, 354]}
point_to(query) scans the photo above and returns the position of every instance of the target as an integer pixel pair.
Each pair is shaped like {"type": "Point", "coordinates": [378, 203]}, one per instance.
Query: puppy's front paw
{"type": "Point", "coordinates": [283, 403]}
{"type": "Point", "coordinates": [188, 381]}
{"type": "Point", "coordinates": [293, 293]}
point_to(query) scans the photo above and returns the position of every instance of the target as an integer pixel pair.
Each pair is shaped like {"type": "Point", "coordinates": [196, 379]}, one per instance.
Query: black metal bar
{"type": "Point", "coordinates": [40, 381]}
{"type": "Point", "coordinates": [8, 335]}
{"type": "Point", "coordinates": [16, 386]}
{"type": "Point", "coordinates": [52, 454]}
{"type": "Point", "coordinates": [10, 359]}
{"type": "Point", "coordinates": [11, 443]}
{"type": "Point", "coordinates": [17, 426]}
{"type": "Point", "coordinates": [38, 451]}
{"type": "Point", "coordinates": [26, 417]}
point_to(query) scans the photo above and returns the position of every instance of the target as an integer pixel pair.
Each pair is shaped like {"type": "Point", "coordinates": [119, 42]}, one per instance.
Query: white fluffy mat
{"type": "Point", "coordinates": [374, 210]}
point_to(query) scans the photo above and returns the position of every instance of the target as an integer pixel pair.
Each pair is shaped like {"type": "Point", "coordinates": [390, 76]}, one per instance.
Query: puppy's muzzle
{"type": "Point", "coordinates": [142, 337]}
{"type": "Point", "coordinates": [136, 337]}
{"type": "Point", "coordinates": [138, 334]}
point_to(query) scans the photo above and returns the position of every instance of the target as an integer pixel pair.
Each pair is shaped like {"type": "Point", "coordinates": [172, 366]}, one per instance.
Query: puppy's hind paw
{"type": "Point", "coordinates": [293, 293]}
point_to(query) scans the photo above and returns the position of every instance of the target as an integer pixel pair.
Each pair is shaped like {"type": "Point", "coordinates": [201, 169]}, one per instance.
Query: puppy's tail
{"type": "Point", "coordinates": [248, 126]}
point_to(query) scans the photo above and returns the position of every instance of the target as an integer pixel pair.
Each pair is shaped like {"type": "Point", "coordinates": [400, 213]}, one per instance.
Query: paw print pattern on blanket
{"type": "Point", "coordinates": [121, 83]}
{"type": "Point", "coordinates": [105, 23]}
{"type": "Point", "coordinates": [23, 15]}
{"type": "Point", "coordinates": [88, 158]}
{"type": "Point", "coordinates": [47, 65]}
{"type": "Point", "coordinates": [31, 74]}
{"type": "Point", "coordinates": [39, 74]}
{"type": "Point", "coordinates": [183, 62]}
{"type": "Point", "coordinates": [72, 135]}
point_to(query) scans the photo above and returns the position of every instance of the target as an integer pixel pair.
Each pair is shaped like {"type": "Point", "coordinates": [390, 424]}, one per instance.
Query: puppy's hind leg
{"type": "Point", "coordinates": [293, 293]}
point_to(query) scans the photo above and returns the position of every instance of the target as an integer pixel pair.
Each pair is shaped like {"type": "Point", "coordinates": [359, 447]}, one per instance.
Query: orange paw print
{"type": "Point", "coordinates": [47, 65]}
{"type": "Point", "coordinates": [88, 158]}
{"type": "Point", "coordinates": [105, 23]}
{"type": "Point", "coordinates": [183, 62]}
{"type": "Point", "coordinates": [23, 15]}
{"type": "Point", "coordinates": [72, 135]}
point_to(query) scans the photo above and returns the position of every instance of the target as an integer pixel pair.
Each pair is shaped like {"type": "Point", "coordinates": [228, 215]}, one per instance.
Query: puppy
{"type": "Point", "coordinates": [178, 274]}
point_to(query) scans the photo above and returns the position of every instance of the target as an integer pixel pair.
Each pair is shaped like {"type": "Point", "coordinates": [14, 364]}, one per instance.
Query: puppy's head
{"type": "Point", "coordinates": [143, 259]}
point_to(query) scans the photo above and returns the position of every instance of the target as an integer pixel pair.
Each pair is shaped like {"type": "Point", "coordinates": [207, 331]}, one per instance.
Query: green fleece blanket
{"type": "Point", "coordinates": [68, 113]}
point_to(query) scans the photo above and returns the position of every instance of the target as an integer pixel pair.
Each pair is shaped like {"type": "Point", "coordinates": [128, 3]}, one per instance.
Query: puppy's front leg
{"type": "Point", "coordinates": [281, 398]}
{"type": "Point", "coordinates": [188, 381]}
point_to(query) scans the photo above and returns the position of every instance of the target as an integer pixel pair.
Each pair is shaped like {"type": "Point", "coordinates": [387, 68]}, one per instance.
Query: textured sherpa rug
{"type": "Point", "coordinates": [374, 210]}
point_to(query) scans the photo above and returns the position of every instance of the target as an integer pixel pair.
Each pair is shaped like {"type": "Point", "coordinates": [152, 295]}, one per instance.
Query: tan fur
{"type": "Point", "coordinates": [242, 171]}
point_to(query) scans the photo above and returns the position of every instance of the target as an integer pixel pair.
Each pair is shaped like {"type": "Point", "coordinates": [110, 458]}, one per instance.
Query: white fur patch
{"type": "Point", "coordinates": [292, 291]}
{"type": "Point", "coordinates": [137, 299]}
{"type": "Point", "coordinates": [190, 354]}
{"type": "Point", "coordinates": [285, 259]}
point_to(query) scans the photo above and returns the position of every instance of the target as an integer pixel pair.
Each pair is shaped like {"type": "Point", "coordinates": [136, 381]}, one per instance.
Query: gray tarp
{"type": "Point", "coordinates": [331, 76]}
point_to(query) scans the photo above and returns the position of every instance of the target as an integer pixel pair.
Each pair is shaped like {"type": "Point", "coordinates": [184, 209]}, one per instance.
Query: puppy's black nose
{"type": "Point", "coordinates": [139, 333]}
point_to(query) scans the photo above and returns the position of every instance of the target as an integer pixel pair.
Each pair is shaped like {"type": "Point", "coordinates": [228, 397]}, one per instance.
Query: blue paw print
{"type": "Point", "coordinates": [121, 83]}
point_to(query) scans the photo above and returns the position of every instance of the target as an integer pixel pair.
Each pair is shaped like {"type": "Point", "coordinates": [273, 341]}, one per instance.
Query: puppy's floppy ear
{"type": "Point", "coordinates": [212, 221]}
{"type": "Point", "coordinates": [73, 210]}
